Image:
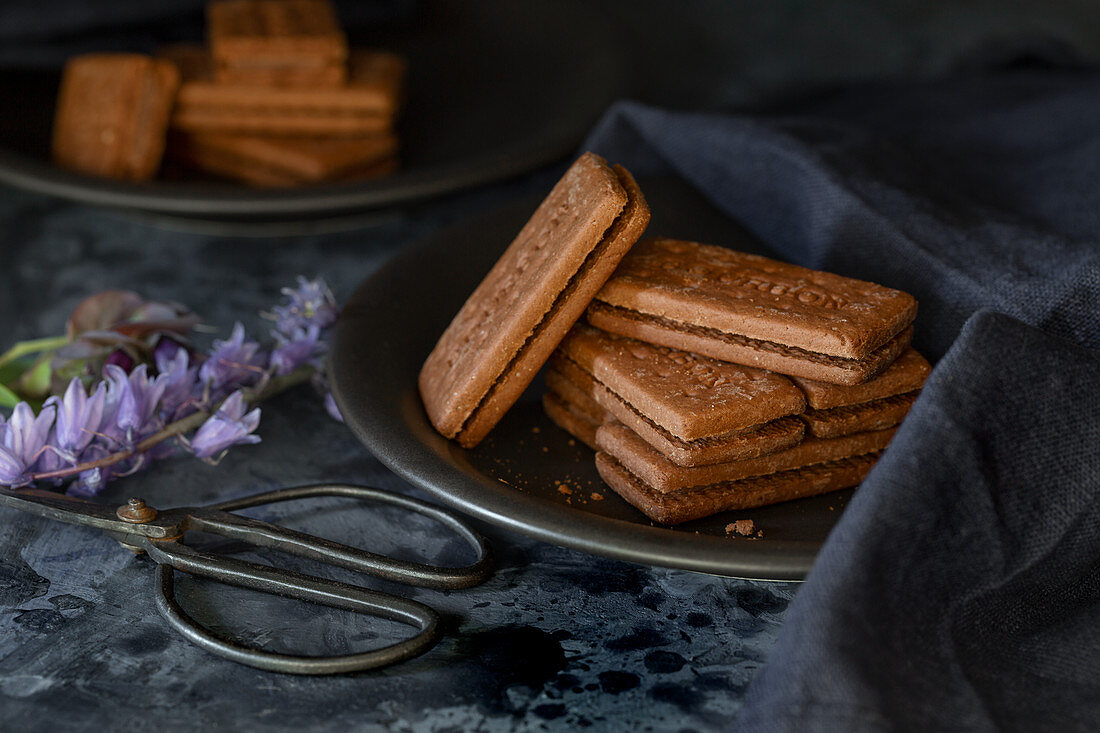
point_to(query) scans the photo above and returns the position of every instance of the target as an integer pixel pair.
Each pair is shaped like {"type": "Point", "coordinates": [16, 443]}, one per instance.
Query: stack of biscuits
{"type": "Point", "coordinates": [706, 379]}
{"type": "Point", "coordinates": [274, 99]}
{"type": "Point", "coordinates": [729, 381]}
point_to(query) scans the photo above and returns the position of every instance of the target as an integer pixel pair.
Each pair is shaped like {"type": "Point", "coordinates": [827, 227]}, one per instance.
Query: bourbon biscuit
{"type": "Point", "coordinates": [784, 360]}
{"type": "Point", "coordinates": [263, 76]}
{"type": "Point", "coordinates": [288, 41]}
{"type": "Point", "coordinates": [906, 374]}
{"type": "Point", "coordinates": [579, 397]}
{"type": "Point", "coordinates": [663, 476]}
{"type": "Point", "coordinates": [239, 169]}
{"type": "Point", "coordinates": [757, 311]}
{"type": "Point", "coordinates": [540, 286]}
{"type": "Point", "coordinates": [849, 419]}
{"type": "Point", "coordinates": [730, 446]}
{"type": "Point", "coordinates": [688, 395]}
{"type": "Point", "coordinates": [703, 501]}
{"type": "Point", "coordinates": [367, 105]}
{"type": "Point", "coordinates": [577, 422]}
{"type": "Point", "coordinates": [289, 160]}
{"type": "Point", "coordinates": [112, 114]}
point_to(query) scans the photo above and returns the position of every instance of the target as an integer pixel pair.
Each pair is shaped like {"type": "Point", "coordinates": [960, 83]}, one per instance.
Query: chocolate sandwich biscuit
{"type": "Point", "coordinates": [366, 105]}
{"type": "Point", "coordinates": [578, 423]}
{"type": "Point", "coordinates": [703, 501]}
{"type": "Point", "coordinates": [276, 42]}
{"type": "Point", "coordinates": [570, 405]}
{"type": "Point", "coordinates": [729, 446]}
{"type": "Point", "coordinates": [907, 374]}
{"type": "Point", "coordinates": [326, 76]}
{"type": "Point", "coordinates": [540, 286]}
{"type": "Point", "coordinates": [878, 403]}
{"type": "Point", "coordinates": [756, 311]}
{"type": "Point", "coordinates": [270, 160]}
{"type": "Point", "coordinates": [663, 476]}
{"type": "Point", "coordinates": [576, 393]}
{"type": "Point", "coordinates": [693, 409]}
{"type": "Point", "coordinates": [873, 415]}
{"type": "Point", "coordinates": [112, 113]}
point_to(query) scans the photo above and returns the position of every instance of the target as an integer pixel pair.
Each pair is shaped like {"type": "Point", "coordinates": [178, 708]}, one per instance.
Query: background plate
{"type": "Point", "coordinates": [530, 476]}
{"type": "Point", "coordinates": [493, 91]}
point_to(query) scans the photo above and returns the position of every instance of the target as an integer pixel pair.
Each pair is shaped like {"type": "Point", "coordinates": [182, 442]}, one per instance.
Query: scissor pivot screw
{"type": "Point", "coordinates": [136, 511]}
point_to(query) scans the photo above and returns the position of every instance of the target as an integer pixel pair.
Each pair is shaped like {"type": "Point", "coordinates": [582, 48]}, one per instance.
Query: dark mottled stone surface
{"type": "Point", "coordinates": [555, 640]}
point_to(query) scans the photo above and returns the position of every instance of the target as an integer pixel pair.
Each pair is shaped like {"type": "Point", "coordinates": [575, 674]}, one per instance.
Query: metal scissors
{"type": "Point", "coordinates": [143, 529]}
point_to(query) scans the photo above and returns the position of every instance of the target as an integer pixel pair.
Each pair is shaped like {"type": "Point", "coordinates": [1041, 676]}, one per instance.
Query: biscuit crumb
{"type": "Point", "coordinates": [596, 496]}
{"type": "Point", "coordinates": [563, 489]}
{"type": "Point", "coordinates": [745, 528]}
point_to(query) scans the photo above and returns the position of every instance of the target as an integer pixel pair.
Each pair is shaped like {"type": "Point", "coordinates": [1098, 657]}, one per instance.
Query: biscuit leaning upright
{"type": "Point", "coordinates": [539, 287]}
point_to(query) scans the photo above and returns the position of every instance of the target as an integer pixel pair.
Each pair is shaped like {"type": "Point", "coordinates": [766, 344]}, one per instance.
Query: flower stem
{"type": "Point", "coordinates": [32, 347]}
{"type": "Point", "coordinates": [268, 389]}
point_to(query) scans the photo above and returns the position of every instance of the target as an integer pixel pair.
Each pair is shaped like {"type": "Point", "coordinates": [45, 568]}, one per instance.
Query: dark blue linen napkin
{"type": "Point", "coordinates": [961, 588]}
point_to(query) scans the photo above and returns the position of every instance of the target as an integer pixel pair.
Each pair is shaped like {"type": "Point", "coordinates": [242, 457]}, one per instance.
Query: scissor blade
{"type": "Point", "coordinates": [218, 520]}
{"type": "Point", "coordinates": [289, 583]}
{"type": "Point", "coordinates": [74, 510]}
{"type": "Point", "coordinates": [70, 509]}
{"type": "Point", "coordinates": [264, 534]}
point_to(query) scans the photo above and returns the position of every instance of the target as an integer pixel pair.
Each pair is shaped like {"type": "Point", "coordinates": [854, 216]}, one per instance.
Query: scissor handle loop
{"type": "Point", "coordinates": [350, 598]}
{"type": "Point", "coordinates": [173, 555]}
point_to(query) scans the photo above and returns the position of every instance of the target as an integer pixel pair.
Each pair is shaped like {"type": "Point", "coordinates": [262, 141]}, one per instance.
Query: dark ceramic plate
{"type": "Point", "coordinates": [495, 89]}
{"type": "Point", "coordinates": [530, 476]}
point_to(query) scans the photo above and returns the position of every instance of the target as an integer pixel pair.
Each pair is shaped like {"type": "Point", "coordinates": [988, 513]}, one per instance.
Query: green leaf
{"type": "Point", "coordinates": [35, 346]}
{"type": "Point", "coordinates": [35, 382]}
{"type": "Point", "coordinates": [8, 398]}
{"type": "Point", "coordinates": [13, 370]}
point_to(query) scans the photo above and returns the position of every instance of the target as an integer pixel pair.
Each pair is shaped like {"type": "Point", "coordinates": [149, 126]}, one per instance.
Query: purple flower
{"type": "Point", "coordinates": [166, 349]}
{"type": "Point", "coordinates": [227, 427]}
{"type": "Point", "coordinates": [13, 470]}
{"type": "Point", "coordinates": [137, 398]}
{"type": "Point", "coordinates": [89, 483]}
{"type": "Point", "coordinates": [302, 347]}
{"type": "Point", "coordinates": [180, 386]}
{"type": "Point", "coordinates": [53, 458]}
{"type": "Point", "coordinates": [234, 362]}
{"type": "Point", "coordinates": [78, 418]}
{"type": "Point", "coordinates": [121, 359]}
{"type": "Point", "coordinates": [22, 442]}
{"type": "Point", "coordinates": [310, 304]}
